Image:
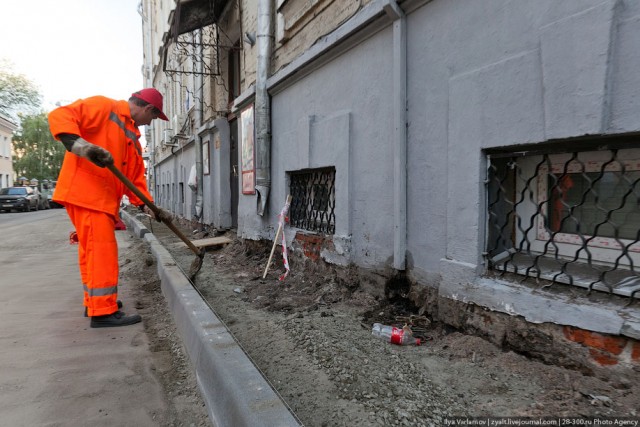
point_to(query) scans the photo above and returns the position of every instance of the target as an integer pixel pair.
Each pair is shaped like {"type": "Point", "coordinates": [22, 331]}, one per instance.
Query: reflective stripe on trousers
{"type": "Point", "coordinates": [97, 258]}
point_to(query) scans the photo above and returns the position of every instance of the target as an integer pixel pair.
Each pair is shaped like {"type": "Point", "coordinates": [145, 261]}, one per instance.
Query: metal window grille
{"type": "Point", "coordinates": [571, 218]}
{"type": "Point", "coordinates": [313, 200]}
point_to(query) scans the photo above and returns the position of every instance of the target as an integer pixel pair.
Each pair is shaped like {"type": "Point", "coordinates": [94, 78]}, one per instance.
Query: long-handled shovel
{"type": "Point", "coordinates": [196, 265]}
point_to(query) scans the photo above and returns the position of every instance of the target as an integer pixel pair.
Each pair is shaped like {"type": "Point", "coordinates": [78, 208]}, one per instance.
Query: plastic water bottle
{"type": "Point", "coordinates": [394, 335]}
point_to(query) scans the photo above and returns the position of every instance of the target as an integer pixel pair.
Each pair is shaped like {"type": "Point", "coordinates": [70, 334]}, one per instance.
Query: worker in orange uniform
{"type": "Point", "coordinates": [96, 132]}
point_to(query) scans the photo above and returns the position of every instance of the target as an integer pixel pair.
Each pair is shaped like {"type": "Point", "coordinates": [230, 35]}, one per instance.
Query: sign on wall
{"type": "Point", "coordinates": [205, 158]}
{"type": "Point", "coordinates": [248, 137]}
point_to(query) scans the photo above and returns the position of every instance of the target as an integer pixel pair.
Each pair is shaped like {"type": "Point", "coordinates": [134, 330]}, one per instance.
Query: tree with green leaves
{"type": "Point", "coordinates": [18, 94]}
{"type": "Point", "coordinates": [36, 153]}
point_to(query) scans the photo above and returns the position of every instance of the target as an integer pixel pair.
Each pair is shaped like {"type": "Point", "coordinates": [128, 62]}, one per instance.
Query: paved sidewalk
{"type": "Point", "coordinates": [54, 369]}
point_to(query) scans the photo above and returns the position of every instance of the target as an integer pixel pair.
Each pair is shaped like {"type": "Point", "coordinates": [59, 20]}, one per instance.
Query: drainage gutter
{"type": "Point", "coordinates": [263, 107]}
{"type": "Point", "coordinates": [199, 208]}
{"type": "Point", "coordinates": [400, 133]}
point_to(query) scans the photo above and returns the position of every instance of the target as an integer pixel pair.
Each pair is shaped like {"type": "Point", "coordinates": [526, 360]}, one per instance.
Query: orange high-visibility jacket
{"type": "Point", "coordinates": [107, 123]}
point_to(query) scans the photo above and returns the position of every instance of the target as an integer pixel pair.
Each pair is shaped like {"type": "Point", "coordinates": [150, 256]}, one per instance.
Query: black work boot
{"type": "Point", "coordinates": [119, 307]}
{"type": "Point", "coordinates": [116, 319]}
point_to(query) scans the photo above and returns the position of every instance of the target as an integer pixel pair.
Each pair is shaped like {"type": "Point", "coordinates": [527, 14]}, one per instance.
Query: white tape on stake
{"type": "Point", "coordinates": [281, 220]}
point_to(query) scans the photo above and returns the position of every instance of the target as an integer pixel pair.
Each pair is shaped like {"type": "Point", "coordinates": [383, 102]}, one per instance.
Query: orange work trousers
{"type": "Point", "coordinates": [97, 258]}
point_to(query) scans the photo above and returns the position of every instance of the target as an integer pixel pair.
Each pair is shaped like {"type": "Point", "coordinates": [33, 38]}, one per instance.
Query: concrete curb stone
{"type": "Point", "coordinates": [235, 392]}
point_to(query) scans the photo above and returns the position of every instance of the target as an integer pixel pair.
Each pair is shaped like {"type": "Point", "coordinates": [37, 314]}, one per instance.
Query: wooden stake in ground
{"type": "Point", "coordinates": [275, 239]}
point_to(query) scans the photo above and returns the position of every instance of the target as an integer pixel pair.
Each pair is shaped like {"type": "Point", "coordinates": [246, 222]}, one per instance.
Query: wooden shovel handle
{"type": "Point", "coordinates": [153, 207]}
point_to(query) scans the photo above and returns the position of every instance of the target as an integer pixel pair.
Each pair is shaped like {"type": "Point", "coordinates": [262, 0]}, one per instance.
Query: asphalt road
{"type": "Point", "coordinates": [54, 369]}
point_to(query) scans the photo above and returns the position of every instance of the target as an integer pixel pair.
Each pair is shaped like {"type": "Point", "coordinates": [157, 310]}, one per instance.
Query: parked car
{"type": "Point", "coordinates": [18, 198]}
{"type": "Point", "coordinates": [54, 205]}
{"type": "Point", "coordinates": [43, 201]}
{"type": "Point", "coordinates": [48, 189]}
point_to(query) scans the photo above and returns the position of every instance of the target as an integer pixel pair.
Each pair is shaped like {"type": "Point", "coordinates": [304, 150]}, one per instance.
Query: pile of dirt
{"type": "Point", "coordinates": [310, 335]}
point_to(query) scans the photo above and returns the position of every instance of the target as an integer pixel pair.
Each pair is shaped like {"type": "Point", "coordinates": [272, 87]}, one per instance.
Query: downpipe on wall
{"type": "Point", "coordinates": [262, 107]}
{"type": "Point", "coordinates": [199, 120]}
{"type": "Point", "coordinates": [400, 133]}
{"type": "Point", "coordinates": [147, 19]}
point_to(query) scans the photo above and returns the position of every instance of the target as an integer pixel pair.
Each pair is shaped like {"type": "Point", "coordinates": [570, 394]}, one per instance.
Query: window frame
{"type": "Point", "coordinates": [314, 220]}
{"type": "Point", "coordinates": [519, 242]}
{"type": "Point", "coordinates": [604, 249]}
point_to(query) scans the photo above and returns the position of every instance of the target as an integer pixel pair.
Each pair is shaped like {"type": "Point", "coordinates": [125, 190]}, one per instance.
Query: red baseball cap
{"type": "Point", "coordinates": [153, 97]}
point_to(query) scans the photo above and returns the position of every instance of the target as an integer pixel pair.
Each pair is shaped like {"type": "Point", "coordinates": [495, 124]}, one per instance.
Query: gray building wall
{"type": "Point", "coordinates": [175, 169]}
{"type": "Point", "coordinates": [217, 186]}
{"type": "Point", "coordinates": [345, 124]}
{"type": "Point", "coordinates": [541, 70]}
{"type": "Point", "coordinates": [484, 74]}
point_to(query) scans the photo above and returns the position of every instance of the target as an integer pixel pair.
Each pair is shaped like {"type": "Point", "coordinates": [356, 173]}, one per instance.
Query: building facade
{"type": "Point", "coordinates": [6, 160]}
{"type": "Point", "coordinates": [486, 152]}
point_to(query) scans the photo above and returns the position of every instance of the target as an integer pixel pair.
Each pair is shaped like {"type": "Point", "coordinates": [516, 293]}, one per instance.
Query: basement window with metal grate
{"type": "Point", "coordinates": [570, 218]}
{"type": "Point", "coordinates": [313, 200]}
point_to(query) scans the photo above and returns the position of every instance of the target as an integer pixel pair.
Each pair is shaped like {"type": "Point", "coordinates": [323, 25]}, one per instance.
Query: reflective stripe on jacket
{"type": "Point", "coordinates": [107, 123]}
